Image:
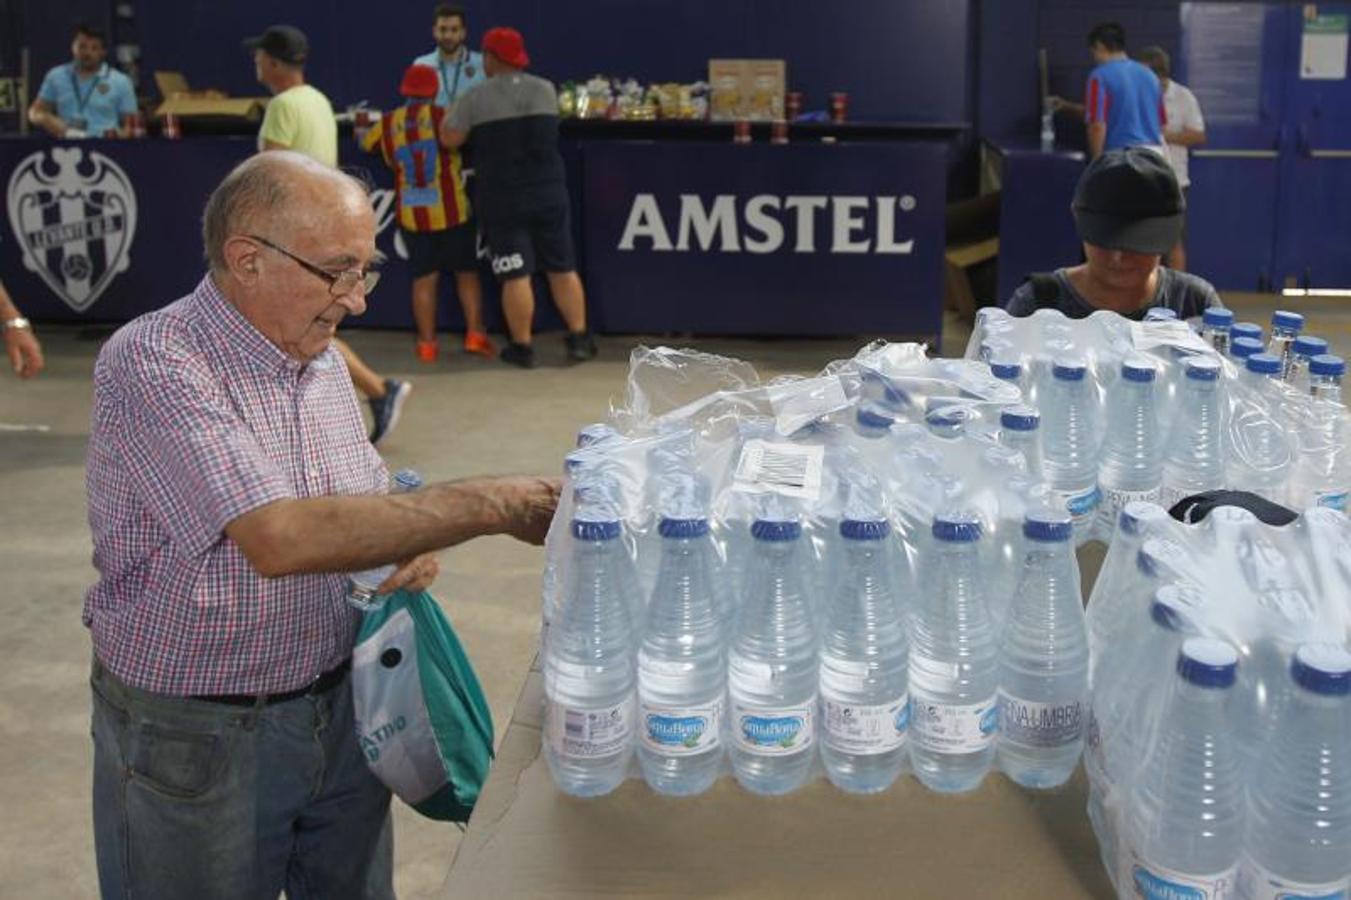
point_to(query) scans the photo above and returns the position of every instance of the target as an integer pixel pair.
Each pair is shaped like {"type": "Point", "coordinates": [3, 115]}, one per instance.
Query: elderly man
{"type": "Point", "coordinates": [230, 486]}
{"type": "Point", "coordinates": [1128, 210]}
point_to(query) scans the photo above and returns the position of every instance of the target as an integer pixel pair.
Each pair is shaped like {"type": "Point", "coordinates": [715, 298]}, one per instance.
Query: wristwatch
{"type": "Point", "coordinates": [17, 323]}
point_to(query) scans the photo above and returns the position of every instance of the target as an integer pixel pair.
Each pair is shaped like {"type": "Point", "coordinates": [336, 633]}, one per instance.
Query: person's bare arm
{"type": "Point", "coordinates": [451, 137]}
{"type": "Point", "coordinates": [349, 534]}
{"type": "Point", "coordinates": [1067, 107]}
{"type": "Point", "coordinates": [43, 115]}
{"type": "Point", "coordinates": [1187, 137]}
{"type": "Point", "coordinates": [1097, 137]}
{"type": "Point", "coordinates": [25, 353]}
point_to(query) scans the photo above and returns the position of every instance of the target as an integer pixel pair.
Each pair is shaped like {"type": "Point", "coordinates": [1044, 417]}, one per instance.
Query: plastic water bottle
{"type": "Point", "coordinates": [948, 422]}
{"type": "Point", "coordinates": [1302, 352]}
{"type": "Point", "coordinates": [865, 703]}
{"type": "Point", "coordinates": [1285, 327]}
{"type": "Point", "coordinates": [1325, 377]}
{"type": "Point", "coordinates": [589, 678]}
{"type": "Point", "coordinates": [772, 667]}
{"type": "Point", "coordinates": [1193, 459]}
{"type": "Point", "coordinates": [1137, 523]}
{"type": "Point", "coordinates": [682, 666]}
{"type": "Point", "coordinates": [1240, 348]}
{"type": "Point", "coordinates": [873, 421]}
{"type": "Point", "coordinates": [1160, 314]}
{"type": "Point", "coordinates": [1043, 660]}
{"type": "Point", "coordinates": [1260, 370]}
{"type": "Point", "coordinates": [1215, 324]}
{"type": "Point", "coordinates": [1008, 369]}
{"type": "Point", "coordinates": [1132, 451]}
{"type": "Point", "coordinates": [595, 433]}
{"type": "Point", "coordinates": [1187, 806]}
{"type": "Point", "coordinates": [1020, 429]}
{"type": "Point", "coordinates": [1069, 441]}
{"type": "Point", "coordinates": [1047, 127]}
{"type": "Point", "coordinates": [1250, 330]}
{"type": "Point", "coordinates": [361, 585]}
{"type": "Point", "coordinates": [1299, 803]}
{"type": "Point", "coordinates": [954, 711]}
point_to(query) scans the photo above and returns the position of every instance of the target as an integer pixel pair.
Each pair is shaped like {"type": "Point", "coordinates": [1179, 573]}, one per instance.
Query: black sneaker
{"type": "Point", "coordinates": [522, 355]}
{"type": "Point", "coordinates": [581, 346]}
{"type": "Point", "coordinates": [385, 410]}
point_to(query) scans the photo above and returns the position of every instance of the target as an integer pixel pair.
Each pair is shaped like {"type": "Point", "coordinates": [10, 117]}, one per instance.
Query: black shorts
{"type": "Point", "coordinates": [449, 250]}
{"type": "Point", "coordinates": [539, 241]}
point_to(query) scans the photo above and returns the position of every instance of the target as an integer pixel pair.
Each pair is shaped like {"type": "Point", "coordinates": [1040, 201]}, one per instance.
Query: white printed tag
{"type": "Point", "coordinates": [681, 731]}
{"type": "Point", "coordinates": [1031, 724]}
{"type": "Point", "coordinates": [953, 728]}
{"type": "Point", "coordinates": [793, 470]}
{"type": "Point", "coordinates": [1256, 882]}
{"type": "Point", "coordinates": [1159, 883]}
{"type": "Point", "coordinates": [1114, 501]}
{"type": "Point", "coordinates": [865, 730]}
{"type": "Point", "coordinates": [767, 731]}
{"type": "Point", "coordinates": [589, 733]}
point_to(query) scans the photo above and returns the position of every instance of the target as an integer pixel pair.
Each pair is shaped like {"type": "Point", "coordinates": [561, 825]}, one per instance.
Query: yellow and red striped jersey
{"type": "Point", "coordinates": [428, 182]}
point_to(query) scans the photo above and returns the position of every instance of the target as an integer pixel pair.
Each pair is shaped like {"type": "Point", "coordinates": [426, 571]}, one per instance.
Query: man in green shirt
{"type": "Point", "coordinates": [299, 117]}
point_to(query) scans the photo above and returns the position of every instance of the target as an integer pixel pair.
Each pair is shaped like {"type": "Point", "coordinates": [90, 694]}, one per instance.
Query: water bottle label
{"type": "Point", "coordinates": [663, 676]}
{"type": "Point", "coordinates": [1114, 501]}
{"type": "Point", "coordinates": [681, 731]}
{"type": "Point", "coordinates": [953, 728]}
{"type": "Point", "coordinates": [589, 733]}
{"type": "Point", "coordinates": [1158, 883]}
{"type": "Point", "coordinates": [1256, 882]}
{"type": "Point", "coordinates": [1033, 724]}
{"type": "Point", "coordinates": [865, 730]}
{"type": "Point", "coordinates": [1333, 500]}
{"type": "Point", "coordinates": [1081, 505]}
{"type": "Point", "coordinates": [773, 731]}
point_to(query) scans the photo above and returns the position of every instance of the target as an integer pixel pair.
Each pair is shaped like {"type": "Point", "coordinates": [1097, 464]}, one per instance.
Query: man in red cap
{"type": "Point", "coordinates": [433, 210]}
{"type": "Point", "coordinates": [520, 193]}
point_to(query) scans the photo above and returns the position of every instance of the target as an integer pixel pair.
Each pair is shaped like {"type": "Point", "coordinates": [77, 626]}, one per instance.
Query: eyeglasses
{"type": "Point", "coordinates": [340, 284]}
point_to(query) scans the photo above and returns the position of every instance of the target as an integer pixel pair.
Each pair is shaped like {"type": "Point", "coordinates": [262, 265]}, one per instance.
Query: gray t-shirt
{"type": "Point", "coordinates": [512, 120]}
{"type": "Point", "coordinates": [1182, 292]}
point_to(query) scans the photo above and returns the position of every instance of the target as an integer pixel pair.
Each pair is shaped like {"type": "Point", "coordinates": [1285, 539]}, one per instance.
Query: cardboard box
{"type": "Point", "coordinates": [527, 839]}
{"type": "Point", "coordinates": [182, 101]}
{"type": "Point", "coordinates": [747, 89]}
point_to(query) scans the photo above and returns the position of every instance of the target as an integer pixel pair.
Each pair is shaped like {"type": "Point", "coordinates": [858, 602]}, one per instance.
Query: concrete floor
{"type": "Point", "coordinates": [465, 417]}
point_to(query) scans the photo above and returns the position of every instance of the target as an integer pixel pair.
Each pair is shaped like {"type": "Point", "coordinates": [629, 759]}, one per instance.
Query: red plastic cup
{"type": "Point", "coordinates": [839, 107]}
{"type": "Point", "coordinates": [741, 131]}
{"type": "Point", "coordinates": [792, 106]}
{"type": "Point", "coordinates": [172, 130]}
{"type": "Point", "coordinates": [778, 133]}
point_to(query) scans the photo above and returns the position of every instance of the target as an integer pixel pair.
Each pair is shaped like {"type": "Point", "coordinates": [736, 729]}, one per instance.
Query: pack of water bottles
{"type": "Point", "coordinates": [1219, 746]}
{"type": "Point", "coordinates": [850, 575]}
{"type": "Point", "coordinates": [1156, 411]}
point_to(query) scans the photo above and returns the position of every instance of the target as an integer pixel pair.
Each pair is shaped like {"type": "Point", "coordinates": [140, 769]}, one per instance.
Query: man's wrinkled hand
{"type": "Point", "coordinates": [413, 575]}
{"type": "Point", "coordinates": [529, 503]}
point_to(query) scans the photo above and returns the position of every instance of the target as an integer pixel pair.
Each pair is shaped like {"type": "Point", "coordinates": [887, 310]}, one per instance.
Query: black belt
{"type": "Point", "coordinates": [321, 685]}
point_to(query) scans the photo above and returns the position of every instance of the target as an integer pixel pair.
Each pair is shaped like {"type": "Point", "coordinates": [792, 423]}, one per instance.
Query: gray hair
{"type": "Point", "coordinates": [1157, 59]}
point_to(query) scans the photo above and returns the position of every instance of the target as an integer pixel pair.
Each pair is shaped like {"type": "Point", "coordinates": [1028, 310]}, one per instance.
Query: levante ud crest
{"type": "Point", "coordinates": [74, 214]}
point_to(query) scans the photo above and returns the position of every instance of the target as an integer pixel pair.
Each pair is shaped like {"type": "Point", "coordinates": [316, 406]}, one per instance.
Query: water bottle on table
{"type": "Point", "coordinates": [1020, 429]}
{"type": "Point", "coordinates": [1069, 441]}
{"type": "Point", "coordinates": [1325, 377]}
{"type": "Point", "coordinates": [1193, 459]}
{"type": "Point", "coordinates": [1302, 352]}
{"type": "Point", "coordinates": [1215, 324]}
{"type": "Point", "coordinates": [1285, 327]}
{"type": "Point", "coordinates": [361, 585]}
{"type": "Point", "coordinates": [1132, 451]}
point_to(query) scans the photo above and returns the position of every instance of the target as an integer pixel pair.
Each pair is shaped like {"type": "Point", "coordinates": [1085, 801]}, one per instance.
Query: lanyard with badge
{"type": "Point", "coordinates": [459, 66]}
{"type": "Point", "coordinates": [82, 100]}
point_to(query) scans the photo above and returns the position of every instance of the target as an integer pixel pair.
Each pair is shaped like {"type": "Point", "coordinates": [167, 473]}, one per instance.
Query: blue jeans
{"type": "Point", "coordinates": [204, 800]}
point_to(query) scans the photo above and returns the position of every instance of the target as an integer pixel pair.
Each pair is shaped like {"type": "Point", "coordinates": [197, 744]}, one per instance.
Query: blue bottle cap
{"type": "Point", "coordinates": [775, 531]}
{"type": "Point", "coordinates": [1019, 418]}
{"type": "Point", "coordinates": [1309, 345]}
{"type": "Point", "coordinates": [595, 433]}
{"type": "Point", "coordinates": [594, 530]}
{"type": "Point", "coordinates": [1138, 368]}
{"type": "Point", "coordinates": [1283, 318]}
{"type": "Point", "coordinates": [406, 480]}
{"type": "Point", "coordinates": [1165, 614]}
{"type": "Point", "coordinates": [1246, 330]}
{"type": "Point", "coordinates": [1137, 514]}
{"type": "Point", "coordinates": [1203, 368]}
{"type": "Point", "coordinates": [1208, 663]}
{"type": "Point", "coordinates": [1048, 525]}
{"type": "Point", "coordinates": [1069, 368]}
{"type": "Point", "coordinates": [957, 527]}
{"type": "Point", "coordinates": [1327, 364]}
{"type": "Point", "coordinates": [948, 416]}
{"type": "Point", "coordinates": [1322, 668]}
{"type": "Point", "coordinates": [1006, 369]}
{"type": "Point", "coordinates": [1218, 317]}
{"type": "Point", "coordinates": [1244, 347]}
{"type": "Point", "coordinates": [670, 527]}
{"type": "Point", "coordinates": [1264, 364]}
{"type": "Point", "coordinates": [1160, 314]}
{"type": "Point", "coordinates": [872, 417]}
{"type": "Point", "coordinates": [864, 529]}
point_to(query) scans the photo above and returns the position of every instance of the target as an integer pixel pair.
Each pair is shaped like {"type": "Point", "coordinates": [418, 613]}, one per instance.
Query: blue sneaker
{"type": "Point", "coordinates": [385, 410]}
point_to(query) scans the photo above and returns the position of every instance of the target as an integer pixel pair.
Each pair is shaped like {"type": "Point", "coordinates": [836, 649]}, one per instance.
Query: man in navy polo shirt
{"type": "Point", "coordinates": [85, 97]}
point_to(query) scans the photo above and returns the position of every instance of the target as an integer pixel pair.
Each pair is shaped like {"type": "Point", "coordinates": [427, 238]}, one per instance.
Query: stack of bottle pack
{"type": "Point", "coordinates": [1219, 747]}
{"type": "Point", "coordinates": [1157, 410]}
{"type": "Point", "coordinates": [848, 575]}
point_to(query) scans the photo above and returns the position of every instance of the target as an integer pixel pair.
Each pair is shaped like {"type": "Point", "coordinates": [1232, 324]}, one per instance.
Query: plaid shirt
{"type": "Point", "coordinates": [197, 420]}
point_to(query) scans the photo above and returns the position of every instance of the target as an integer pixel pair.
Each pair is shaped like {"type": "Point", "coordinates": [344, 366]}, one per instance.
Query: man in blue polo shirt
{"type": "Point", "coordinates": [85, 97]}
{"type": "Point", "coordinates": [457, 67]}
{"type": "Point", "coordinates": [1123, 104]}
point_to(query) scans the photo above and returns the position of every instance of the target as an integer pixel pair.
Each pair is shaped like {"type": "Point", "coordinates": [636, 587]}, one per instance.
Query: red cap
{"type": "Point", "coordinates": [507, 45]}
{"type": "Point", "coordinates": [420, 81]}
